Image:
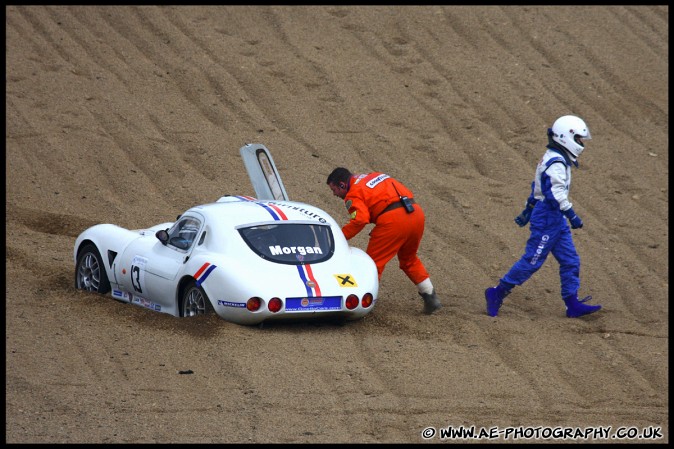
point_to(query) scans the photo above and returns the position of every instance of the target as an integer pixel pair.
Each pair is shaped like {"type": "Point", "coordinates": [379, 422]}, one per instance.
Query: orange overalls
{"type": "Point", "coordinates": [396, 232]}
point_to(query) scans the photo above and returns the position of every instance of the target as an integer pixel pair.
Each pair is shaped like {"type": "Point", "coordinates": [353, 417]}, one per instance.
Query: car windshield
{"type": "Point", "coordinates": [290, 243]}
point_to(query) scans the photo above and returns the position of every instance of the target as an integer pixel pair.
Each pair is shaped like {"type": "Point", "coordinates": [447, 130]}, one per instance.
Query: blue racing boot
{"type": "Point", "coordinates": [576, 308]}
{"type": "Point", "coordinates": [494, 297]}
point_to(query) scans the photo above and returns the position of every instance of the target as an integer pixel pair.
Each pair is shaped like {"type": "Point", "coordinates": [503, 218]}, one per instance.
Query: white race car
{"type": "Point", "coordinates": [249, 260]}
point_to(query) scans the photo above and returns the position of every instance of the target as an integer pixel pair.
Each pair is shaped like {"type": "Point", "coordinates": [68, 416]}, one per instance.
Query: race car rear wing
{"type": "Point", "coordinates": [262, 172]}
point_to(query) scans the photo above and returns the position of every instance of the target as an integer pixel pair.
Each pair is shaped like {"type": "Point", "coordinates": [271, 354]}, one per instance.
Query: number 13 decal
{"type": "Point", "coordinates": [135, 278]}
{"type": "Point", "coordinates": [138, 273]}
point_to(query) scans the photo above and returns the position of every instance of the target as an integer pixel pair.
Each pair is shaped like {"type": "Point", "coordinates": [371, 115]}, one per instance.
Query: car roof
{"type": "Point", "coordinates": [241, 210]}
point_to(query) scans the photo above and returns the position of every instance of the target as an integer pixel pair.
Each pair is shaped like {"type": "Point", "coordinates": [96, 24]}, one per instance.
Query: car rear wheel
{"type": "Point", "coordinates": [90, 272]}
{"type": "Point", "coordinates": [194, 301]}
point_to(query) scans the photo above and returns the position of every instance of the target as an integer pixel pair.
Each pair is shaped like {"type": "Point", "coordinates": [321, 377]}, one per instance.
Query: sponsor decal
{"type": "Point", "coordinates": [302, 250]}
{"type": "Point", "coordinates": [313, 304]}
{"type": "Point", "coordinates": [224, 303]}
{"type": "Point", "coordinates": [120, 294]}
{"type": "Point", "coordinates": [144, 302]}
{"type": "Point", "coordinates": [372, 183]}
{"type": "Point", "coordinates": [346, 280]}
{"type": "Point", "coordinates": [539, 249]}
{"type": "Point", "coordinates": [139, 261]}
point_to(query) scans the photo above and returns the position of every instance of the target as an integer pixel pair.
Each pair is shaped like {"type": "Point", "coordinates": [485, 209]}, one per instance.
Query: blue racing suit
{"type": "Point", "coordinates": [550, 231]}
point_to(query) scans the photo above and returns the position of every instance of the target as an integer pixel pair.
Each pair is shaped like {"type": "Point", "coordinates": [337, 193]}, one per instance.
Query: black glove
{"type": "Point", "coordinates": [523, 218]}
{"type": "Point", "coordinates": [574, 219]}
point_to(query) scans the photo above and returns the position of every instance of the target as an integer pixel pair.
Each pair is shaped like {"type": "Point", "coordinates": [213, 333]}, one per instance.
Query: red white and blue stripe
{"type": "Point", "coordinates": [203, 272]}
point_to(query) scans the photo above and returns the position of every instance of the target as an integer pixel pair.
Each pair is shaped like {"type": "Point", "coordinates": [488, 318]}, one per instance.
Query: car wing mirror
{"type": "Point", "coordinates": [163, 236]}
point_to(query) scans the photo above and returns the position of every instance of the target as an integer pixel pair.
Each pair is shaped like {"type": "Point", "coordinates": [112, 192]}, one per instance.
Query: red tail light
{"type": "Point", "coordinates": [367, 300]}
{"type": "Point", "coordinates": [253, 304]}
{"type": "Point", "coordinates": [351, 302]}
{"type": "Point", "coordinates": [274, 305]}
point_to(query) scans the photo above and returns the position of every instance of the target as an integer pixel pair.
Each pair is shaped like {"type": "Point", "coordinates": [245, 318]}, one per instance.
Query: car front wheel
{"type": "Point", "coordinates": [90, 272]}
{"type": "Point", "coordinates": [194, 301]}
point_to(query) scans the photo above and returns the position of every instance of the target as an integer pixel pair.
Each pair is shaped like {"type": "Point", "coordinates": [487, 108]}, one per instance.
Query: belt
{"type": "Point", "coordinates": [394, 205]}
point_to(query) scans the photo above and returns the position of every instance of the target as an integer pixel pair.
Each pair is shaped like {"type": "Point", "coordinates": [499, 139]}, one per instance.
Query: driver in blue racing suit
{"type": "Point", "coordinates": [546, 208]}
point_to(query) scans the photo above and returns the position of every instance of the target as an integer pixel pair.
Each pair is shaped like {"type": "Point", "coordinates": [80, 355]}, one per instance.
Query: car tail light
{"type": "Point", "coordinates": [253, 304]}
{"type": "Point", "coordinates": [351, 302]}
{"type": "Point", "coordinates": [367, 300]}
{"type": "Point", "coordinates": [274, 305]}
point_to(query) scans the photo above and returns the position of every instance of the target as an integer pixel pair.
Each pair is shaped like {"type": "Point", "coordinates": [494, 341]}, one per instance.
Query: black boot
{"type": "Point", "coordinates": [431, 302]}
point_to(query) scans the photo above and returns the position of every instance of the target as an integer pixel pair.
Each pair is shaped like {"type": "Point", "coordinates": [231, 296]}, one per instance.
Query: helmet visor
{"type": "Point", "coordinates": [580, 139]}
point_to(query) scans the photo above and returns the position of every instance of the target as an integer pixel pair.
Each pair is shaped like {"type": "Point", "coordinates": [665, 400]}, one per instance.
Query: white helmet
{"type": "Point", "coordinates": [569, 131]}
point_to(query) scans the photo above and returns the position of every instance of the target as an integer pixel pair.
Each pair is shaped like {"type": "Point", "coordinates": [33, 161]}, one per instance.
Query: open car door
{"type": "Point", "coordinates": [262, 172]}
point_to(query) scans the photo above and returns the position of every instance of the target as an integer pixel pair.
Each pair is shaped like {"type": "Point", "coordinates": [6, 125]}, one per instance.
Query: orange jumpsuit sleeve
{"type": "Point", "coordinates": [358, 212]}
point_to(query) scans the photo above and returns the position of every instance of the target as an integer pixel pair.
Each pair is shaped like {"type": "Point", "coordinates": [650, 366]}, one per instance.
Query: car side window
{"type": "Point", "coordinates": [183, 233]}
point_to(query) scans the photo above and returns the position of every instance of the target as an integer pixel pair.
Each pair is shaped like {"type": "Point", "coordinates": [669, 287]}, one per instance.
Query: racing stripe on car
{"type": "Point", "coordinates": [203, 272]}
{"type": "Point", "coordinates": [313, 279]}
{"type": "Point", "coordinates": [310, 283]}
{"type": "Point", "coordinates": [279, 211]}
{"type": "Point", "coordinates": [275, 211]}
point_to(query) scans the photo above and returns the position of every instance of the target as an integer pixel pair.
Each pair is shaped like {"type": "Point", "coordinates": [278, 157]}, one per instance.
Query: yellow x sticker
{"type": "Point", "coordinates": [345, 280]}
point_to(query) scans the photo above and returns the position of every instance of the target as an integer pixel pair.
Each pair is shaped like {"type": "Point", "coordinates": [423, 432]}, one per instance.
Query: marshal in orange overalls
{"type": "Point", "coordinates": [375, 198]}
